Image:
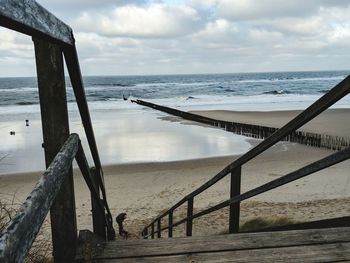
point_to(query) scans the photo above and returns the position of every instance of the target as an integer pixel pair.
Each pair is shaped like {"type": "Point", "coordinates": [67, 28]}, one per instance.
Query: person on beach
{"type": "Point", "coordinates": [120, 219]}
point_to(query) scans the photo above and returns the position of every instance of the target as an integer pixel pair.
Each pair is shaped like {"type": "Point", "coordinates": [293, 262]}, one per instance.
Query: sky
{"type": "Point", "coordinates": [140, 37]}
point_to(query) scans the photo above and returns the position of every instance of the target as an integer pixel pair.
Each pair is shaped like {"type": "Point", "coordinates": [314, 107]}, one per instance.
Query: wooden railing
{"type": "Point", "coordinates": [234, 169]}
{"type": "Point", "coordinates": [52, 40]}
{"type": "Point", "coordinates": [17, 238]}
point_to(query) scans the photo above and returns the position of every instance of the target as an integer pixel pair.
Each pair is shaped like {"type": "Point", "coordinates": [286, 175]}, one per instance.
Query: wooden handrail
{"type": "Point", "coordinates": [302, 172]}
{"type": "Point", "coordinates": [18, 237]}
{"type": "Point", "coordinates": [30, 18]}
{"type": "Point", "coordinates": [327, 100]}
{"type": "Point", "coordinates": [72, 61]}
{"type": "Point", "coordinates": [32, 213]}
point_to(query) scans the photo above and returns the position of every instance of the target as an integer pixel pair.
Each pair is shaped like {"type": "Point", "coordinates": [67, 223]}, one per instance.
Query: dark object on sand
{"type": "Point", "coordinates": [12, 132]}
{"type": "Point", "coordinates": [27, 122]}
{"type": "Point", "coordinates": [120, 219]}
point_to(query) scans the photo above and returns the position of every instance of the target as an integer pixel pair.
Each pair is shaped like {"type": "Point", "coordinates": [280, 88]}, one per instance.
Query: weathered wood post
{"type": "Point", "coordinates": [189, 217]}
{"type": "Point", "coordinates": [145, 233]}
{"type": "Point", "coordinates": [159, 227]}
{"type": "Point", "coordinates": [170, 232]}
{"type": "Point", "coordinates": [235, 208]}
{"type": "Point", "coordinates": [152, 231]}
{"type": "Point", "coordinates": [98, 219]}
{"type": "Point", "coordinates": [55, 125]}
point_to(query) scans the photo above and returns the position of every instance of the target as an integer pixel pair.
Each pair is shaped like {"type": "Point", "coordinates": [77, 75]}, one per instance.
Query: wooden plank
{"type": "Point", "coordinates": [338, 252]}
{"type": "Point", "coordinates": [235, 208]}
{"type": "Point", "coordinates": [324, 223]}
{"type": "Point", "coordinates": [55, 124]}
{"type": "Point", "coordinates": [28, 17]}
{"type": "Point", "coordinates": [17, 238]}
{"type": "Point", "coordinates": [189, 245]}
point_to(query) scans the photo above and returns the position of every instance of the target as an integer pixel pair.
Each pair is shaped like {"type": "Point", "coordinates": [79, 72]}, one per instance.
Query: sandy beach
{"type": "Point", "coordinates": [143, 190]}
{"type": "Point", "coordinates": [330, 122]}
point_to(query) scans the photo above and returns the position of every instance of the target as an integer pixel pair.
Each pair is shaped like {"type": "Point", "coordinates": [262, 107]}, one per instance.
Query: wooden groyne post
{"type": "Point", "coordinates": [258, 131]}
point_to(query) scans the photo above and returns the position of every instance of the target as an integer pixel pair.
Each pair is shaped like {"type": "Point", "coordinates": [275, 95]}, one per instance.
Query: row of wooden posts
{"type": "Point", "coordinates": [257, 131]}
{"type": "Point", "coordinates": [301, 137]}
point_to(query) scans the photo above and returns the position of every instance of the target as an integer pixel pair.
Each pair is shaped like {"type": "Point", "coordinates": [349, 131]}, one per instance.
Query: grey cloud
{"type": "Point", "coordinates": [195, 36]}
{"type": "Point", "coordinates": [69, 9]}
{"type": "Point", "coordinates": [270, 9]}
{"type": "Point", "coordinates": [155, 21]}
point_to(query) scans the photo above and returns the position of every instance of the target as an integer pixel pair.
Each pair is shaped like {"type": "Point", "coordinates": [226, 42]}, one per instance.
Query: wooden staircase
{"type": "Point", "coordinates": [52, 40]}
{"type": "Point", "coordinates": [311, 245]}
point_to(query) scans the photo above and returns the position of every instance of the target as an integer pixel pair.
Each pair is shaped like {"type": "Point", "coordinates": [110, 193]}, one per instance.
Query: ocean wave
{"type": "Point", "coordinates": [323, 91]}
{"type": "Point", "coordinates": [22, 103]}
{"type": "Point", "coordinates": [277, 92]}
{"type": "Point", "coordinates": [229, 90]}
{"type": "Point", "coordinates": [178, 84]}
{"type": "Point", "coordinates": [21, 89]}
{"type": "Point", "coordinates": [111, 85]}
{"type": "Point", "coordinates": [291, 79]}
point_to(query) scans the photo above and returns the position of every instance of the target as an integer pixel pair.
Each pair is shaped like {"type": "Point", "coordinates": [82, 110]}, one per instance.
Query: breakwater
{"type": "Point", "coordinates": [257, 131]}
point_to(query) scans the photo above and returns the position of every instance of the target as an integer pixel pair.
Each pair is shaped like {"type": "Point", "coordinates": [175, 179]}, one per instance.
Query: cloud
{"type": "Point", "coordinates": [267, 9]}
{"type": "Point", "coordinates": [69, 8]}
{"type": "Point", "coordinates": [155, 21]}
{"type": "Point", "coordinates": [195, 36]}
{"type": "Point", "coordinates": [14, 44]}
{"type": "Point", "coordinates": [16, 54]}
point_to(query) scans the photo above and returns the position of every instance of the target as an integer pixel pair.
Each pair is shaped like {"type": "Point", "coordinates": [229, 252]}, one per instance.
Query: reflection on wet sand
{"type": "Point", "coordinates": [123, 136]}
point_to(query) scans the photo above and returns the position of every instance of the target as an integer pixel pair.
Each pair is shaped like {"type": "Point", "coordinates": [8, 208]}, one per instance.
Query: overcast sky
{"type": "Point", "coordinates": [120, 37]}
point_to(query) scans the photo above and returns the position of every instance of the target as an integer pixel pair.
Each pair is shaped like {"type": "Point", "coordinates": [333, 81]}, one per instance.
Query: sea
{"type": "Point", "coordinates": [129, 133]}
{"type": "Point", "coordinates": [243, 91]}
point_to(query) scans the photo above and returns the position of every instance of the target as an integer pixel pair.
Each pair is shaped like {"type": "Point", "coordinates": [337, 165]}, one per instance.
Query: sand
{"type": "Point", "coordinates": [143, 190]}
{"type": "Point", "coordinates": [331, 122]}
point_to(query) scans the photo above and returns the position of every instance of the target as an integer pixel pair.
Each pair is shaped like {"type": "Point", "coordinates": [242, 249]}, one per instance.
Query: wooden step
{"type": "Point", "coordinates": [314, 245]}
